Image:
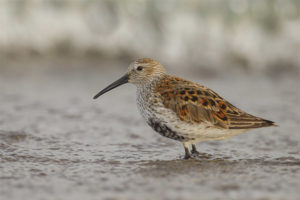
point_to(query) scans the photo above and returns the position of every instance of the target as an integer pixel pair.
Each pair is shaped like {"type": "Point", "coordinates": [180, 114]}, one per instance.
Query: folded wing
{"type": "Point", "coordinates": [194, 103]}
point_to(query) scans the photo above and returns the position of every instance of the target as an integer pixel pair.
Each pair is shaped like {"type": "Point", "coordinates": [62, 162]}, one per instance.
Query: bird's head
{"type": "Point", "coordinates": [144, 70]}
{"type": "Point", "coordinates": [140, 72]}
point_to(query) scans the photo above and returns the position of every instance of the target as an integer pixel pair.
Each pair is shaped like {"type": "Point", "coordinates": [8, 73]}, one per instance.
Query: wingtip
{"type": "Point", "coordinates": [271, 123]}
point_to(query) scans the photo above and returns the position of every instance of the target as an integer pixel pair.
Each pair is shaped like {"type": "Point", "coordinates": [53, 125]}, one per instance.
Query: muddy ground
{"type": "Point", "coordinates": [56, 142]}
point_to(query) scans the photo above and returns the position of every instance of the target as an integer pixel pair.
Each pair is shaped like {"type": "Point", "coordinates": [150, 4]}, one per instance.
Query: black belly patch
{"type": "Point", "coordinates": [164, 130]}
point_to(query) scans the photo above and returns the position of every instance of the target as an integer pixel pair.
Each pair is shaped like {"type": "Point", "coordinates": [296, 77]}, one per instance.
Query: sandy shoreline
{"type": "Point", "coordinates": [58, 143]}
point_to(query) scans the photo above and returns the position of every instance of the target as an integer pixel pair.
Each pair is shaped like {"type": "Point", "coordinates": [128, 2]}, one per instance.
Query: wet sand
{"type": "Point", "coordinates": [56, 142]}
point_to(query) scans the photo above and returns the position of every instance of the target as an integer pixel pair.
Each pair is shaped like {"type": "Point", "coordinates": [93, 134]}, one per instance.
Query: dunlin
{"type": "Point", "coordinates": [182, 110]}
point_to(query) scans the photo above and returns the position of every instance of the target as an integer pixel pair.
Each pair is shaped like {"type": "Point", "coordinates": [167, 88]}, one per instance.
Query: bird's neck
{"type": "Point", "coordinates": [149, 85]}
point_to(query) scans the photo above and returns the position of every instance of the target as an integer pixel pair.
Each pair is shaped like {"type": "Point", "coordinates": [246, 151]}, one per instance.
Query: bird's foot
{"type": "Point", "coordinates": [195, 152]}
{"type": "Point", "coordinates": [203, 155]}
{"type": "Point", "coordinates": [187, 157]}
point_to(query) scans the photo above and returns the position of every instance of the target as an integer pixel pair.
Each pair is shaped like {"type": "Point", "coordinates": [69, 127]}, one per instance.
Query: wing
{"type": "Point", "coordinates": [194, 103]}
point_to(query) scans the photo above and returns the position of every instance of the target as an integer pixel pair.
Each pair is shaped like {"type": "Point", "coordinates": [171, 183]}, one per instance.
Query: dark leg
{"type": "Point", "coordinates": [194, 150]}
{"type": "Point", "coordinates": [187, 152]}
{"type": "Point", "coordinates": [198, 154]}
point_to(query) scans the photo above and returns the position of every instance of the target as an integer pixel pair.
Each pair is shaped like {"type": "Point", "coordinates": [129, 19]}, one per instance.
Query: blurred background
{"type": "Point", "coordinates": [56, 142]}
{"type": "Point", "coordinates": [213, 35]}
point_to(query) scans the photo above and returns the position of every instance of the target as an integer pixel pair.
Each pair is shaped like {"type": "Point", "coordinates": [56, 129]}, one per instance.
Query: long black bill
{"type": "Point", "coordinates": [124, 79]}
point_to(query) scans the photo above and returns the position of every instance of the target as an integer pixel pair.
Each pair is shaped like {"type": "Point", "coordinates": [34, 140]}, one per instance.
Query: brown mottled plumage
{"type": "Point", "coordinates": [194, 103]}
{"type": "Point", "coordinates": [183, 110]}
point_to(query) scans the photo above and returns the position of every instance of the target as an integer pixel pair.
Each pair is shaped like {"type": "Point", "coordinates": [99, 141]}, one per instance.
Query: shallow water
{"type": "Point", "coordinates": [58, 143]}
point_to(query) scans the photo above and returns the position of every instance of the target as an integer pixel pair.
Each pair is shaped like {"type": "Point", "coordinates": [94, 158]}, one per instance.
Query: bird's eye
{"type": "Point", "coordinates": [139, 68]}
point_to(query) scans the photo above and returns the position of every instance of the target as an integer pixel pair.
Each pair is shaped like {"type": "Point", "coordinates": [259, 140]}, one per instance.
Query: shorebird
{"type": "Point", "coordinates": [182, 110]}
